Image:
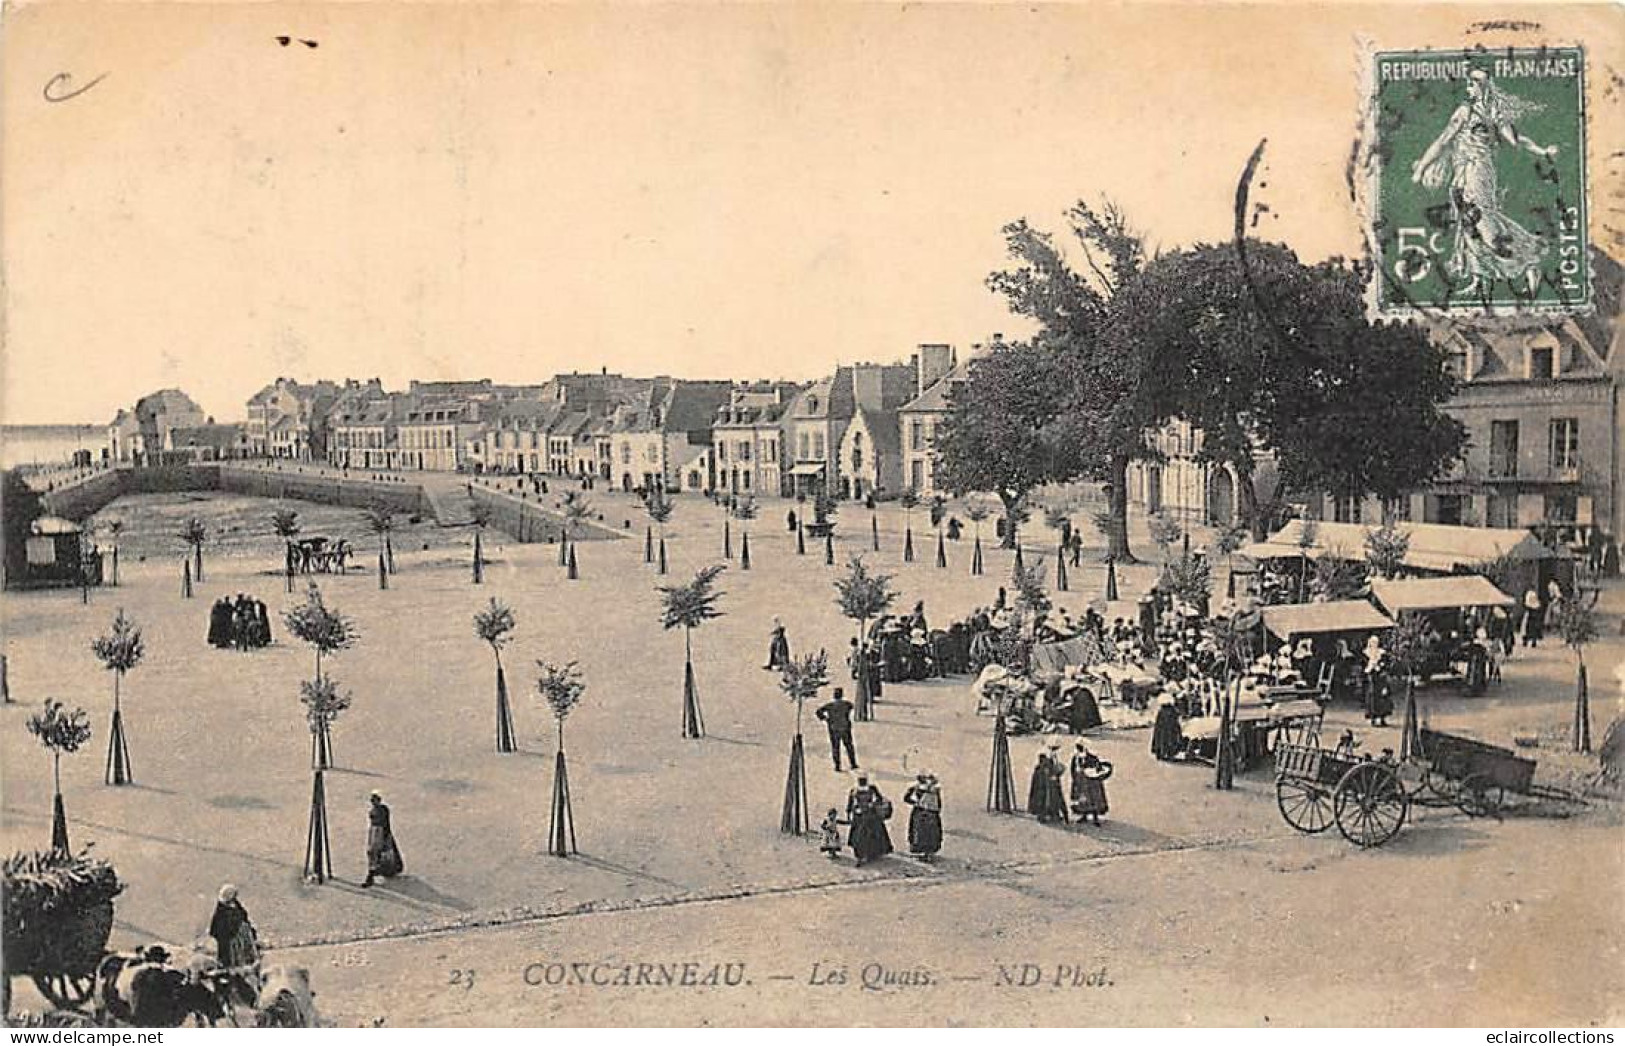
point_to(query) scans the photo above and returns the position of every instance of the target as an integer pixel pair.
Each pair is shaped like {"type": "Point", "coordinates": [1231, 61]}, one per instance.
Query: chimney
{"type": "Point", "coordinates": [932, 362]}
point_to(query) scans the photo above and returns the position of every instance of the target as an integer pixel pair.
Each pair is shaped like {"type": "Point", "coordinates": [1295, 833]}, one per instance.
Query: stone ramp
{"type": "Point", "coordinates": [449, 501]}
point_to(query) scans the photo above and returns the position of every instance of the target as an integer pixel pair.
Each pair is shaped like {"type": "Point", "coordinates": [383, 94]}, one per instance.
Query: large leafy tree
{"type": "Point", "coordinates": [1003, 432]}
{"type": "Point", "coordinates": [1269, 354]}
{"type": "Point", "coordinates": [1106, 410]}
{"type": "Point", "coordinates": [22, 507]}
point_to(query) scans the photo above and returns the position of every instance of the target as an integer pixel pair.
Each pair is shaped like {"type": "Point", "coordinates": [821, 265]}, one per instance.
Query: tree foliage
{"type": "Point", "coordinates": [862, 595]}
{"type": "Point", "coordinates": [1280, 357]}
{"type": "Point", "coordinates": [1385, 549]}
{"type": "Point", "coordinates": [1577, 624]}
{"type": "Point", "coordinates": [325, 629]}
{"type": "Point", "coordinates": [194, 532]}
{"type": "Point", "coordinates": [324, 702]}
{"type": "Point", "coordinates": [1165, 530]}
{"type": "Point", "coordinates": [1189, 579]}
{"type": "Point", "coordinates": [58, 728]}
{"type": "Point", "coordinates": [659, 506]}
{"type": "Point", "coordinates": [122, 647]}
{"type": "Point", "coordinates": [692, 605]}
{"type": "Point", "coordinates": [379, 517]}
{"type": "Point", "coordinates": [1003, 432]}
{"type": "Point", "coordinates": [286, 523]}
{"type": "Point", "coordinates": [495, 624]}
{"type": "Point", "coordinates": [1031, 596]}
{"type": "Point", "coordinates": [561, 686]}
{"type": "Point", "coordinates": [802, 677]}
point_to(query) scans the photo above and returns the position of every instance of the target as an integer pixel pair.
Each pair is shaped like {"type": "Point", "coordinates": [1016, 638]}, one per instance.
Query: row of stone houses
{"type": "Point", "coordinates": [167, 426]}
{"type": "Point", "coordinates": [864, 429]}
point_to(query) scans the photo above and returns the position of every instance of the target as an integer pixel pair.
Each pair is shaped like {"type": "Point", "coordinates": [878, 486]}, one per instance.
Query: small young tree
{"type": "Point", "coordinates": [562, 687]}
{"type": "Point", "coordinates": [1410, 645]}
{"type": "Point", "coordinates": [862, 597]}
{"type": "Point", "coordinates": [1337, 576]}
{"type": "Point", "coordinates": [285, 522]}
{"type": "Point", "coordinates": [744, 511]}
{"type": "Point", "coordinates": [976, 510]}
{"type": "Point", "coordinates": [1030, 595]}
{"type": "Point", "coordinates": [324, 702]}
{"type": "Point", "coordinates": [688, 607]}
{"type": "Point", "coordinates": [1577, 624]}
{"type": "Point", "coordinates": [576, 513]}
{"type": "Point", "coordinates": [326, 630]}
{"type": "Point", "coordinates": [62, 732]}
{"type": "Point", "coordinates": [1308, 541]}
{"type": "Point", "coordinates": [660, 509]}
{"type": "Point", "coordinates": [115, 527]}
{"type": "Point", "coordinates": [1228, 541]}
{"type": "Point", "coordinates": [1189, 580]}
{"type": "Point", "coordinates": [1164, 532]}
{"type": "Point", "coordinates": [481, 514]}
{"type": "Point", "coordinates": [120, 650]}
{"type": "Point", "coordinates": [1386, 548]}
{"type": "Point", "coordinates": [380, 519]}
{"type": "Point", "coordinates": [194, 533]}
{"type": "Point", "coordinates": [495, 624]}
{"type": "Point", "coordinates": [909, 499]}
{"type": "Point", "coordinates": [800, 679]}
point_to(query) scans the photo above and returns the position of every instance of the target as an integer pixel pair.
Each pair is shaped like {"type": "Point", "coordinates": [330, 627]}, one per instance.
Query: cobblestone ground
{"type": "Point", "coordinates": [688, 830]}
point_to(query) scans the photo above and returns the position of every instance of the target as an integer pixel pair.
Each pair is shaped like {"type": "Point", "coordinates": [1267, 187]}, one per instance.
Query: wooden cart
{"type": "Point", "coordinates": [1472, 775]}
{"type": "Point", "coordinates": [1316, 788]}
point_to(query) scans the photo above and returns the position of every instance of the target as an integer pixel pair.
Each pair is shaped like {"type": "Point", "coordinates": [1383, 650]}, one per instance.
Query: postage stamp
{"type": "Point", "coordinates": [1479, 194]}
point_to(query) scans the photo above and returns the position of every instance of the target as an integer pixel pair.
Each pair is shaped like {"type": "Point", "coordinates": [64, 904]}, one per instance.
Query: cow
{"type": "Point", "coordinates": [286, 1000]}
{"type": "Point", "coordinates": [143, 989]}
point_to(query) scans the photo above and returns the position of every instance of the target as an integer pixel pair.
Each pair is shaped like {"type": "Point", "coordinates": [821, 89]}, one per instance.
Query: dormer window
{"type": "Point", "coordinates": [812, 404]}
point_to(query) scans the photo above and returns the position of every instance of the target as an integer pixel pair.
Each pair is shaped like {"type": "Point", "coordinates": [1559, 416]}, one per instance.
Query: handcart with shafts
{"type": "Point", "coordinates": [1316, 788]}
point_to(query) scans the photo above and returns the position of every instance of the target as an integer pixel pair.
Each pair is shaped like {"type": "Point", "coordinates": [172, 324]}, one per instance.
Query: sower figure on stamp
{"type": "Point", "coordinates": [1488, 245]}
{"type": "Point", "coordinates": [836, 714]}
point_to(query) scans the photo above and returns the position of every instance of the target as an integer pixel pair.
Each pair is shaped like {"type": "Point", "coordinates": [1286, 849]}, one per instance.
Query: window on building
{"type": "Point", "coordinates": [916, 435]}
{"type": "Point", "coordinates": [1346, 510]}
{"type": "Point", "coordinates": [746, 478]}
{"type": "Point", "coordinates": [1561, 508]}
{"type": "Point", "coordinates": [651, 454]}
{"type": "Point", "coordinates": [818, 445]}
{"type": "Point", "coordinates": [805, 448]}
{"type": "Point", "coordinates": [916, 474]}
{"type": "Point", "coordinates": [1540, 364]}
{"type": "Point", "coordinates": [722, 451]}
{"type": "Point", "coordinates": [626, 453]}
{"type": "Point", "coordinates": [1564, 440]}
{"type": "Point", "coordinates": [1447, 509]}
{"type": "Point", "coordinates": [1503, 449]}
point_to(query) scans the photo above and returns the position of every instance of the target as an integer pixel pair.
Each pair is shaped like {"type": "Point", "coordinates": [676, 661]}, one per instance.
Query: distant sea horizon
{"type": "Point", "coordinates": [49, 444]}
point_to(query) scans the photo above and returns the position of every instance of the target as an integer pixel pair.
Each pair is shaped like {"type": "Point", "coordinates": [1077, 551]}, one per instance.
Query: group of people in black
{"type": "Point", "coordinates": [1048, 797]}
{"type": "Point", "coordinates": [240, 624]}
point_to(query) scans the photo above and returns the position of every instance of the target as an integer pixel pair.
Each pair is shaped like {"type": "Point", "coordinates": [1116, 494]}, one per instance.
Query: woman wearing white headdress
{"type": "Point", "coordinates": [1488, 245]}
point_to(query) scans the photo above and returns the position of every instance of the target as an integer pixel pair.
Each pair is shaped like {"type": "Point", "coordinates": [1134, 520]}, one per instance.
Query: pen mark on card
{"type": "Point", "coordinates": [60, 88]}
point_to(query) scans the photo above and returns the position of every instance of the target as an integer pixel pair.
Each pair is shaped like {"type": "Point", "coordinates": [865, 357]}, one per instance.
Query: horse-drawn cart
{"type": "Point", "coordinates": [58, 917]}
{"type": "Point", "coordinates": [1316, 788]}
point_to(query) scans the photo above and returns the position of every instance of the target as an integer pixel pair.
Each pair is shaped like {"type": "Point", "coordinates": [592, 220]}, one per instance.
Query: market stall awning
{"type": "Point", "coordinates": [1433, 546]}
{"type": "Point", "coordinates": [1314, 619]}
{"type": "Point", "coordinates": [816, 469]}
{"type": "Point", "coordinates": [1438, 593]}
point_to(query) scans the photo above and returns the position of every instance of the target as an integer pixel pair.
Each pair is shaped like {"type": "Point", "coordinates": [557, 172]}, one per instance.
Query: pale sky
{"type": "Point", "coordinates": [449, 191]}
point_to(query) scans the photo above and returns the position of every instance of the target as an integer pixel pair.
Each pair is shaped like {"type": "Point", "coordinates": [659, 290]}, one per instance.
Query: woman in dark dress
{"type": "Point", "coordinates": [925, 819]}
{"type": "Point", "coordinates": [234, 937]}
{"type": "Point", "coordinates": [1046, 798]}
{"type": "Point", "coordinates": [1167, 739]}
{"type": "Point", "coordinates": [867, 811]}
{"type": "Point", "coordinates": [220, 624]}
{"type": "Point", "coordinates": [1089, 775]}
{"type": "Point", "coordinates": [383, 856]}
{"type": "Point", "coordinates": [778, 647]}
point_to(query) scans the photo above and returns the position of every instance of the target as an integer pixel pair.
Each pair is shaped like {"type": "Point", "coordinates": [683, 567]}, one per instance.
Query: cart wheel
{"type": "Point", "coordinates": [1304, 805]}
{"type": "Point", "coordinates": [1370, 804]}
{"type": "Point", "coordinates": [1480, 797]}
{"type": "Point", "coordinates": [1441, 786]}
{"type": "Point", "coordinates": [65, 990]}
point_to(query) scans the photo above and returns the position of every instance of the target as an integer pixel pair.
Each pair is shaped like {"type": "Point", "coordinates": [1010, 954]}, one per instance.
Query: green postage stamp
{"type": "Point", "coordinates": [1479, 198]}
